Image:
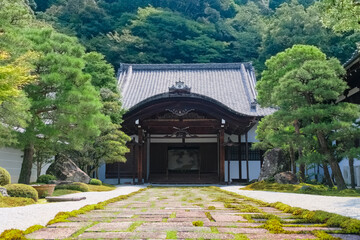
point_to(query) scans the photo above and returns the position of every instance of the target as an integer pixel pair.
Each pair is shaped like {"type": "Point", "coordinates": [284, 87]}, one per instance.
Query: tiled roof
{"type": "Point", "coordinates": [232, 84]}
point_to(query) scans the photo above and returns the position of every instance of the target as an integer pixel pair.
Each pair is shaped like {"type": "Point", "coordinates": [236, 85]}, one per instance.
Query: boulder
{"type": "Point", "coordinates": [3, 192]}
{"type": "Point", "coordinates": [66, 170]}
{"type": "Point", "coordinates": [274, 162]}
{"type": "Point", "coordinates": [286, 178]}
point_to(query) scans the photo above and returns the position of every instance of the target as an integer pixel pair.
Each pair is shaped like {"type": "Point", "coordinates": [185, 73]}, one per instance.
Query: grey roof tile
{"type": "Point", "coordinates": [232, 84]}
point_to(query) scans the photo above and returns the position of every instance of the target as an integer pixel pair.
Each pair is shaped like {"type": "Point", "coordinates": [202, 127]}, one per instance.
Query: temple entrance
{"type": "Point", "coordinates": [183, 163]}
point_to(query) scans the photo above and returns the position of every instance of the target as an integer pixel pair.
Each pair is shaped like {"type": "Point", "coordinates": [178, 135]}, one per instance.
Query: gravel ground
{"type": "Point", "coordinates": [346, 206]}
{"type": "Point", "coordinates": [24, 217]}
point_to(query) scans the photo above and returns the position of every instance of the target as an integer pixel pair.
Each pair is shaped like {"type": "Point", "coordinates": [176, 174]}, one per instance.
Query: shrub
{"type": "Point", "coordinates": [94, 181]}
{"type": "Point", "coordinates": [5, 177]}
{"type": "Point", "coordinates": [22, 190]}
{"type": "Point", "coordinates": [46, 178]}
{"type": "Point", "coordinates": [77, 186]}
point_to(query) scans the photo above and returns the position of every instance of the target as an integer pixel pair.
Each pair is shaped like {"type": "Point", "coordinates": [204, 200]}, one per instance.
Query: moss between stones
{"type": "Point", "coordinates": [198, 223]}
{"type": "Point", "coordinates": [19, 234]}
{"type": "Point", "coordinates": [62, 217]}
{"type": "Point", "coordinates": [274, 226]}
{"type": "Point", "coordinates": [349, 225]}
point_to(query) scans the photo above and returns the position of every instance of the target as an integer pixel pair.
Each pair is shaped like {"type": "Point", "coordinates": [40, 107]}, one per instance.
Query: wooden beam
{"type": "Point", "coordinates": [221, 155]}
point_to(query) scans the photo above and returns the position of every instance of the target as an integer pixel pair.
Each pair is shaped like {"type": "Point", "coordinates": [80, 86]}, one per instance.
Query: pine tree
{"type": "Point", "coordinates": [302, 82]}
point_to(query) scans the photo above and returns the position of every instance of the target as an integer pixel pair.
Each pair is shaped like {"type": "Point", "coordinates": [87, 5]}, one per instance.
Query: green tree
{"type": "Point", "coordinates": [304, 83]}
{"type": "Point", "coordinates": [110, 146]}
{"type": "Point", "coordinates": [341, 15]}
{"type": "Point", "coordinates": [65, 107]}
{"type": "Point", "coordinates": [292, 23]}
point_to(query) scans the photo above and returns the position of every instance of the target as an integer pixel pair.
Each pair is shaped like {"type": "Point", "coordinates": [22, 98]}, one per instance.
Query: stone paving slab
{"type": "Point", "coordinates": [347, 236]}
{"type": "Point", "coordinates": [69, 225]}
{"type": "Point", "coordinates": [173, 212]}
{"type": "Point", "coordinates": [122, 235]}
{"type": "Point", "coordinates": [279, 236]}
{"type": "Point", "coordinates": [53, 233]}
{"type": "Point", "coordinates": [231, 224]}
{"type": "Point", "coordinates": [226, 217]}
{"type": "Point", "coordinates": [306, 228]}
{"type": "Point", "coordinates": [109, 227]}
{"type": "Point", "coordinates": [186, 235]}
{"type": "Point", "coordinates": [244, 230]}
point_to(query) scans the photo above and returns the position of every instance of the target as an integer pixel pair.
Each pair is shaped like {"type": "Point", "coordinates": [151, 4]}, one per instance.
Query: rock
{"type": "Point", "coordinates": [286, 178]}
{"type": "Point", "coordinates": [66, 170]}
{"type": "Point", "coordinates": [3, 192]}
{"type": "Point", "coordinates": [274, 162]}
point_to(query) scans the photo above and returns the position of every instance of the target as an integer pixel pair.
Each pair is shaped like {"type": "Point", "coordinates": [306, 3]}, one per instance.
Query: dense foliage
{"type": "Point", "coordinates": [305, 85]}
{"type": "Point", "coordinates": [51, 94]}
{"type": "Point", "coordinates": [169, 31]}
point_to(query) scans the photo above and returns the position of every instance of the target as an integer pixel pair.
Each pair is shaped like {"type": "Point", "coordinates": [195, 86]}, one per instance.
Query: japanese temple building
{"type": "Point", "coordinates": [188, 122]}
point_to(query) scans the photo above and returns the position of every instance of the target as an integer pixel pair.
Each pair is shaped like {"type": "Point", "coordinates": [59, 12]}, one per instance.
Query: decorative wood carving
{"type": "Point", "coordinates": [181, 133]}
{"type": "Point", "coordinates": [179, 111]}
{"type": "Point", "coordinates": [179, 87]}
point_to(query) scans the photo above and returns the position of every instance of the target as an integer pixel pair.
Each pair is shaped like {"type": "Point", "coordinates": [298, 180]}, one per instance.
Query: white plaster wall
{"type": "Point", "coordinates": [11, 160]}
{"type": "Point", "coordinates": [345, 169]}
{"type": "Point", "coordinates": [254, 170]}
{"type": "Point", "coordinates": [251, 136]}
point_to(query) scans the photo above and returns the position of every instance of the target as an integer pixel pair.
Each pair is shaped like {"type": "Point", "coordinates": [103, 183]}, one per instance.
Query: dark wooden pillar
{"type": "Point", "coordinates": [140, 154]}
{"type": "Point", "coordinates": [144, 154]}
{"type": "Point", "coordinates": [247, 155]}
{"type": "Point", "coordinates": [239, 157]}
{"type": "Point", "coordinates": [221, 156]}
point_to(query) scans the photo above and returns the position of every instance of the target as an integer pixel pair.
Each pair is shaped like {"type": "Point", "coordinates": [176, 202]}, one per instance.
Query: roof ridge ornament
{"type": "Point", "coordinates": [179, 87]}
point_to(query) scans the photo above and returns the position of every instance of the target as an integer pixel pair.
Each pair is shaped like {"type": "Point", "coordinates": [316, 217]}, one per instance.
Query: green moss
{"type": "Point", "coordinates": [198, 223]}
{"type": "Point", "coordinates": [274, 226]}
{"type": "Point", "coordinates": [351, 226]}
{"type": "Point", "coordinates": [208, 215]}
{"type": "Point", "coordinates": [214, 230]}
{"type": "Point", "coordinates": [211, 208]}
{"type": "Point", "coordinates": [15, 201]}
{"type": "Point", "coordinates": [33, 229]}
{"type": "Point", "coordinates": [324, 236]}
{"type": "Point", "coordinates": [15, 234]}
{"type": "Point", "coordinates": [171, 235]}
{"type": "Point", "coordinates": [239, 236]}
{"type": "Point", "coordinates": [134, 225]}
{"type": "Point", "coordinates": [173, 215]}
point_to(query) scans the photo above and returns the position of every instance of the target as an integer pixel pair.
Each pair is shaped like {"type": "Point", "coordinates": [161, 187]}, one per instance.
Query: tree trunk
{"type": "Point", "coordinates": [302, 165]}
{"type": "Point", "coordinates": [352, 172]}
{"type": "Point", "coordinates": [340, 183]}
{"type": "Point", "coordinates": [328, 180]}
{"type": "Point", "coordinates": [38, 168]}
{"type": "Point", "coordinates": [292, 158]}
{"type": "Point", "coordinates": [25, 173]}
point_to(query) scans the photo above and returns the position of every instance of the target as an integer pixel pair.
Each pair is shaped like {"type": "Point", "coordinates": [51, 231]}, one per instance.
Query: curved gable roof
{"type": "Point", "coordinates": [232, 84]}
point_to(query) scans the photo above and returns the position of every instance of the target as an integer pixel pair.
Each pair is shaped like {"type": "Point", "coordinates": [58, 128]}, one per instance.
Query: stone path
{"type": "Point", "coordinates": [180, 213]}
